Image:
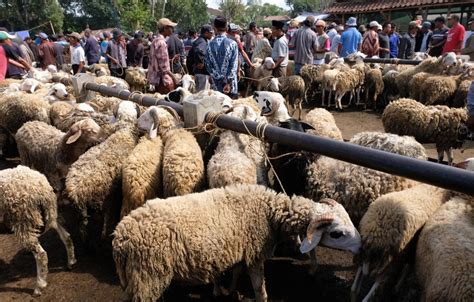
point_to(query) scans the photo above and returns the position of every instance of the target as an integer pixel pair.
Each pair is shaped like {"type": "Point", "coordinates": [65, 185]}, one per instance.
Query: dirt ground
{"type": "Point", "coordinates": [94, 278]}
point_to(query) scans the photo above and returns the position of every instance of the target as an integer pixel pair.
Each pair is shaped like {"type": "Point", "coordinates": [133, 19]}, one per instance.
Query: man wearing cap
{"type": "Point", "coordinates": [280, 49]}
{"type": "Point", "coordinates": [176, 52]}
{"type": "Point", "coordinates": [337, 38]}
{"type": "Point", "coordinates": [351, 39]}
{"type": "Point", "coordinates": [17, 66]}
{"type": "Point", "coordinates": [78, 55]}
{"type": "Point", "coordinates": [423, 37]}
{"type": "Point", "coordinates": [91, 47]}
{"type": "Point", "coordinates": [408, 42]}
{"type": "Point", "coordinates": [263, 49]}
{"type": "Point", "coordinates": [305, 43]}
{"type": "Point", "coordinates": [47, 53]}
{"type": "Point", "coordinates": [469, 45]}
{"type": "Point", "coordinates": [455, 39]}
{"type": "Point", "coordinates": [251, 39]}
{"type": "Point", "coordinates": [324, 45]}
{"type": "Point", "coordinates": [370, 42]}
{"type": "Point", "coordinates": [438, 37]}
{"type": "Point", "coordinates": [233, 34]}
{"type": "Point", "coordinates": [135, 50]}
{"type": "Point", "coordinates": [222, 60]}
{"type": "Point", "coordinates": [197, 56]}
{"type": "Point", "coordinates": [116, 53]}
{"type": "Point", "coordinates": [159, 70]}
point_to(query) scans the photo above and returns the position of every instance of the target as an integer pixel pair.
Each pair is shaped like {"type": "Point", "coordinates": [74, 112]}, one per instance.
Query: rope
{"type": "Point", "coordinates": [257, 80]}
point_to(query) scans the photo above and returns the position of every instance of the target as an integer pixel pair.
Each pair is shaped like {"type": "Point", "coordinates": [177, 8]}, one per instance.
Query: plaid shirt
{"type": "Point", "coordinates": [159, 62]}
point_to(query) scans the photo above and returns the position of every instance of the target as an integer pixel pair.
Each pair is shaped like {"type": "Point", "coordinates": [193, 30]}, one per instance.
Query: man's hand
{"type": "Point", "coordinates": [470, 123]}
{"type": "Point", "coordinates": [226, 88]}
{"type": "Point", "coordinates": [176, 58]}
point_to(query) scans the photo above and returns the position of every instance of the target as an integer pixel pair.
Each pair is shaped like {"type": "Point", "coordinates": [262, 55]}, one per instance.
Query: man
{"type": "Point", "coordinates": [91, 47]}
{"type": "Point", "coordinates": [159, 70]}
{"type": "Point", "coordinates": [469, 45]}
{"type": "Point", "coordinates": [305, 43]}
{"type": "Point", "coordinates": [455, 36]}
{"type": "Point", "coordinates": [3, 59]}
{"type": "Point", "coordinates": [104, 45]}
{"type": "Point", "coordinates": [176, 52]}
{"type": "Point", "coordinates": [438, 37]}
{"type": "Point", "coordinates": [233, 34]}
{"type": "Point", "coordinates": [47, 53]}
{"type": "Point", "coordinates": [423, 37]}
{"type": "Point", "coordinates": [332, 32]}
{"type": "Point", "coordinates": [408, 42]}
{"type": "Point", "coordinates": [324, 44]}
{"type": "Point", "coordinates": [34, 48]}
{"type": "Point", "coordinates": [292, 29]}
{"type": "Point", "coordinates": [370, 43]}
{"type": "Point", "coordinates": [470, 108]}
{"type": "Point", "coordinates": [337, 38]}
{"type": "Point", "coordinates": [394, 42]}
{"type": "Point", "coordinates": [188, 43]}
{"type": "Point", "coordinates": [263, 49]}
{"type": "Point", "coordinates": [78, 56]}
{"type": "Point", "coordinates": [221, 60]}
{"type": "Point", "coordinates": [116, 53]}
{"type": "Point", "coordinates": [280, 49]}
{"type": "Point", "coordinates": [251, 39]}
{"type": "Point", "coordinates": [17, 66]}
{"type": "Point", "coordinates": [198, 53]}
{"type": "Point", "coordinates": [59, 49]}
{"type": "Point", "coordinates": [384, 41]}
{"type": "Point", "coordinates": [135, 50]}
{"type": "Point", "coordinates": [351, 39]}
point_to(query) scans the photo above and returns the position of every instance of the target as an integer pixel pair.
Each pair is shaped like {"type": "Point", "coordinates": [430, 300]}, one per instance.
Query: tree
{"type": "Point", "coordinates": [300, 6]}
{"type": "Point", "coordinates": [96, 14]}
{"type": "Point", "coordinates": [190, 14]}
{"type": "Point", "coordinates": [232, 9]}
{"type": "Point", "coordinates": [134, 14]}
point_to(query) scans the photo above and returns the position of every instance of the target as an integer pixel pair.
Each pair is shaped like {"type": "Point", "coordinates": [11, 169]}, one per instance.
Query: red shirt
{"type": "Point", "coordinates": [455, 35]}
{"type": "Point", "coordinates": [3, 64]}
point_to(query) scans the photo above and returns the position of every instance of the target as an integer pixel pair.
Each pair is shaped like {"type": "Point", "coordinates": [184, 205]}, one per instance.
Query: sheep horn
{"type": "Point", "coordinates": [328, 201]}
{"type": "Point", "coordinates": [156, 119]}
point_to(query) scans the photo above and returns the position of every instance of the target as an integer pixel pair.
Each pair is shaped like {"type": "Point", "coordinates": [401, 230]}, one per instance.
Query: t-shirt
{"type": "Point", "coordinates": [384, 42]}
{"type": "Point", "coordinates": [13, 53]}
{"type": "Point", "coordinates": [350, 41]}
{"type": "Point", "coordinates": [305, 42]}
{"type": "Point", "coordinates": [323, 42]}
{"type": "Point", "coordinates": [3, 64]}
{"type": "Point", "coordinates": [280, 49]}
{"type": "Point", "coordinates": [250, 42]}
{"type": "Point", "coordinates": [439, 36]}
{"type": "Point", "coordinates": [394, 43]}
{"type": "Point", "coordinates": [455, 35]}
{"type": "Point", "coordinates": [335, 43]}
{"type": "Point", "coordinates": [78, 55]}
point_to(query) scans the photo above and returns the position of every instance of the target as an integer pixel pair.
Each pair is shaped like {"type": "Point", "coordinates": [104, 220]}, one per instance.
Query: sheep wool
{"type": "Point", "coordinates": [416, 83]}
{"type": "Point", "coordinates": [323, 123]}
{"type": "Point", "coordinates": [445, 253]}
{"type": "Point", "coordinates": [439, 89]}
{"type": "Point", "coordinates": [293, 89]}
{"type": "Point", "coordinates": [460, 97]}
{"type": "Point", "coordinates": [142, 174]}
{"type": "Point", "coordinates": [373, 86]}
{"type": "Point", "coordinates": [135, 79]}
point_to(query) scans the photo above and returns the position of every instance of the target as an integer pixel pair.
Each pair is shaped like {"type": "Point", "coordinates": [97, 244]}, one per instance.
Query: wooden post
{"type": "Point", "coordinates": [52, 27]}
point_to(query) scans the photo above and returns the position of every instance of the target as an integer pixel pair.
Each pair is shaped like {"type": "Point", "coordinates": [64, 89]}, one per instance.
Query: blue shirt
{"type": "Point", "coordinates": [221, 62]}
{"type": "Point", "coordinates": [470, 100]}
{"type": "Point", "coordinates": [394, 41]}
{"type": "Point", "coordinates": [350, 40]}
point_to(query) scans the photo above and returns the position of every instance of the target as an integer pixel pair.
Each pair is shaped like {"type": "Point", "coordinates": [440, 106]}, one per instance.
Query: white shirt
{"type": "Point", "coordinates": [78, 55]}
{"type": "Point", "coordinates": [335, 43]}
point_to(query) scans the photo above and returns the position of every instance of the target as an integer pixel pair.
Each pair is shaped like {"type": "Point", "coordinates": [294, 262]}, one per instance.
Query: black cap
{"type": "Point", "coordinates": [252, 25]}
{"type": "Point", "coordinates": [138, 35]}
{"type": "Point", "coordinates": [206, 29]}
{"type": "Point", "coordinates": [220, 22]}
{"type": "Point", "coordinates": [440, 19]}
{"type": "Point", "coordinates": [278, 24]}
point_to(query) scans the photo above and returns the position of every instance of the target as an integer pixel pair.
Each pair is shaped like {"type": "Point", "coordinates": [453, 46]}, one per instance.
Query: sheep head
{"type": "Point", "coordinates": [268, 63]}
{"type": "Point", "coordinates": [86, 133]}
{"type": "Point", "coordinates": [243, 112]}
{"type": "Point", "coordinates": [59, 90]}
{"type": "Point", "coordinates": [177, 95]}
{"type": "Point", "coordinates": [274, 85]}
{"type": "Point", "coordinates": [158, 119]}
{"type": "Point", "coordinates": [126, 111]}
{"type": "Point", "coordinates": [268, 102]}
{"type": "Point", "coordinates": [331, 226]}
{"type": "Point", "coordinates": [188, 83]}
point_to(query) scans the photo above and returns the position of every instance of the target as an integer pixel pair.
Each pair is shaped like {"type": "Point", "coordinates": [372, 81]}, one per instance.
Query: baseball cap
{"type": "Point", "coordinates": [4, 36]}
{"type": "Point", "coordinates": [234, 27]}
{"type": "Point", "coordinates": [75, 35]}
{"type": "Point", "coordinates": [374, 24]}
{"type": "Point", "coordinates": [320, 23]}
{"type": "Point", "coordinates": [426, 24]}
{"type": "Point", "coordinates": [206, 29]}
{"type": "Point", "coordinates": [43, 36]}
{"type": "Point", "coordinates": [166, 22]}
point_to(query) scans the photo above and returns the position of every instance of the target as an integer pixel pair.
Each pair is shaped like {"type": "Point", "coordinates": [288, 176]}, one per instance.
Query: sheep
{"type": "Point", "coordinates": [416, 83]}
{"type": "Point", "coordinates": [141, 174]}
{"type": "Point", "coordinates": [179, 94]}
{"type": "Point", "coordinates": [312, 76]}
{"type": "Point", "coordinates": [30, 204]}
{"type": "Point", "coordinates": [390, 91]}
{"type": "Point", "coordinates": [373, 85]}
{"type": "Point", "coordinates": [188, 83]}
{"type": "Point", "coordinates": [460, 97]}
{"type": "Point", "coordinates": [440, 89]}
{"type": "Point", "coordinates": [44, 76]}
{"type": "Point", "coordinates": [292, 88]}
{"type": "Point", "coordinates": [57, 92]}
{"type": "Point", "coordinates": [231, 225]}
{"type": "Point", "coordinates": [272, 106]}
{"type": "Point", "coordinates": [112, 82]}
{"type": "Point", "coordinates": [349, 81]}
{"type": "Point", "coordinates": [99, 70]}
{"type": "Point", "coordinates": [7, 82]}
{"type": "Point", "coordinates": [30, 85]}
{"type": "Point", "coordinates": [261, 74]}
{"type": "Point", "coordinates": [290, 68]}
{"type": "Point", "coordinates": [237, 159]}
{"type": "Point", "coordinates": [439, 124]}
{"type": "Point", "coordinates": [104, 104]}
{"type": "Point", "coordinates": [63, 116]}
{"type": "Point", "coordinates": [135, 79]}
{"type": "Point", "coordinates": [445, 253]}
{"type": "Point", "coordinates": [388, 229]}
{"type": "Point", "coordinates": [356, 187]}
{"type": "Point", "coordinates": [51, 152]}
{"type": "Point", "coordinates": [183, 165]}
{"type": "Point", "coordinates": [323, 124]}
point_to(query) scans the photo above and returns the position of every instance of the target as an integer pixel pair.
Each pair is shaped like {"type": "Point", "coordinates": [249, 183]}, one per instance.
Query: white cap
{"type": "Point", "coordinates": [374, 24]}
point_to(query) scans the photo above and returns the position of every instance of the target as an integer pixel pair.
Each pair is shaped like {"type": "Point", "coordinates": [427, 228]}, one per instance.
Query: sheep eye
{"type": "Point", "coordinates": [336, 234]}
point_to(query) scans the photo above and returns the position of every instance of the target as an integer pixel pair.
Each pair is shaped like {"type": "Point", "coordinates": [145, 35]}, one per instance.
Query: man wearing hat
{"type": "Point", "coordinates": [305, 43]}
{"type": "Point", "coordinates": [351, 39]}
{"type": "Point", "coordinates": [135, 50]}
{"type": "Point", "coordinates": [456, 33]}
{"type": "Point", "coordinates": [408, 42]}
{"type": "Point", "coordinates": [78, 55]}
{"type": "Point", "coordinates": [159, 70]}
{"type": "Point", "coordinates": [438, 37]}
{"type": "Point", "coordinates": [17, 66]}
{"type": "Point", "coordinates": [423, 37]}
{"type": "Point", "coordinates": [324, 44]}
{"type": "Point", "coordinates": [263, 49]}
{"type": "Point", "coordinates": [290, 33]}
{"type": "Point", "coordinates": [469, 45]}
{"type": "Point", "coordinates": [47, 53]}
{"type": "Point", "coordinates": [280, 49]}
{"type": "Point", "coordinates": [197, 56]}
{"type": "Point", "coordinates": [222, 59]}
{"type": "Point", "coordinates": [370, 43]}
{"type": "Point", "coordinates": [116, 53]}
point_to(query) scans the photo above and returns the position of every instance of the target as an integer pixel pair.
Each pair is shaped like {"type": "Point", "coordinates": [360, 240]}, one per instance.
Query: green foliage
{"type": "Point", "coordinates": [134, 14]}
{"type": "Point", "coordinates": [300, 6]}
{"type": "Point", "coordinates": [238, 13]}
{"type": "Point", "coordinates": [95, 13]}
{"type": "Point", "coordinates": [190, 14]}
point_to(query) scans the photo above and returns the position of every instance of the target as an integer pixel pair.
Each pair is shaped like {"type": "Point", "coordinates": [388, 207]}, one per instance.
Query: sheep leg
{"type": "Point", "coordinates": [323, 96]}
{"type": "Point", "coordinates": [330, 97]}
{"type": "Point", "coordinates": [300, 109]}
{"type": "Point", "coordinates": [355, 288]}
{"type": "Point", "coordinates": [83, 224]}
{"type": "Point", "coordinates": [67, 241]}
{"type": "Point", "coordinates": [440, 155]}
{"type": "Point", "coordinates": [450, 155]}
{"type": "Point", "coordinates": [314, 262]}
{"type": "Point", "coordinates": [256, 272]}
{"type": "Point", "coordinates": [236, 271]}
{"type": "Point", "coordinates": [339, 101]}
{"type": "Point", "coordinates": [371, 293]}
{"type": "Point", "coordinates": [41, 259]}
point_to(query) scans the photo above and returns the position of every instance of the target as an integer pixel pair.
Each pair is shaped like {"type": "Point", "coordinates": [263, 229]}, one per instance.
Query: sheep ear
{"type": "Point", "coordinates": [306, 126]}
{"type": "Point", "coordinates": [314, 233]}
{"type": "Point", "coordinates": [73, 138]}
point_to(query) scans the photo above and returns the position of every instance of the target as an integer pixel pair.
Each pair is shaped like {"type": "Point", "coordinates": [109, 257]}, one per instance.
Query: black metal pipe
{"type": "Point", "coordinates": [387, 61]}
{"type": "Point", "coordinates": [132, 96]}
{"type": "Point", "coordinates": [424, 171]}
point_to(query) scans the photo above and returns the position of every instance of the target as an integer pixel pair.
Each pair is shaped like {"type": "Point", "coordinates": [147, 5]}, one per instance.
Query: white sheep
{"type": "Point", "coordinates": [51, 152]}
{"type": "Point", "coordinates": [373, 86]}
{"type": "Point", "coordinates": [261, 74]}
{"type": "Point", "coordinates": [188, 83]}
{"type": "Point", "coordinates": [439, 124]}
{"type": "Point", "coordinates": [30, 85]}
{"type": "Point", "coordinates": [272, 106]}
{"type": "Point", "coordinates": [30, 204]}
{"type": "Point", "coordinates": [113, 82]}
{"type": "Point", "coordinates": [173, 239]}
{"type": "Point", "coordinates": [135, 79]}
{"type": "Point", "coordinates": [57, 92]}
{"type": "Point", "coordinates": [323, 123]}
{"type": "Point", "coordinates": [292, 88]}
{"type": "Point", "coordinates": [349, 81]}
{"type": "Point", "coordinates": [44, 76]}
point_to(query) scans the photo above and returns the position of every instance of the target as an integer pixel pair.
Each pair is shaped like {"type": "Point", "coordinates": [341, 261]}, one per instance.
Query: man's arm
{"type": "Point", "coordinates": [470, 107]}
